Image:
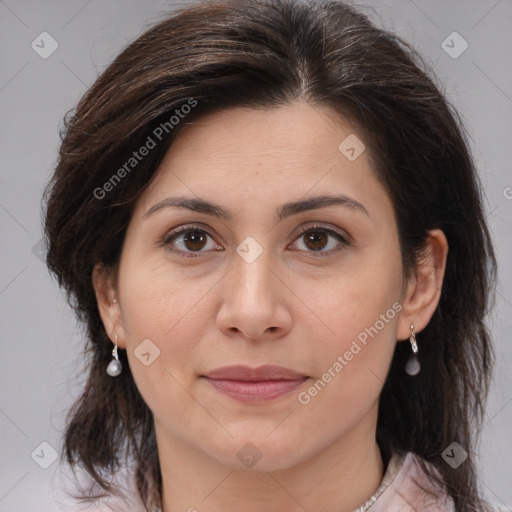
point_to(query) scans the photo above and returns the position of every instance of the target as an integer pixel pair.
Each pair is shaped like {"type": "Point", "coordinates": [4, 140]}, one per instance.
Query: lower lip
{"type": "Point", "coordinates": [260, 391]}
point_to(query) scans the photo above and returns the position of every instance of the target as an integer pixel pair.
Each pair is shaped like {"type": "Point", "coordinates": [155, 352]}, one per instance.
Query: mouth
{"type": "Point", "coordinates": [261, 384]}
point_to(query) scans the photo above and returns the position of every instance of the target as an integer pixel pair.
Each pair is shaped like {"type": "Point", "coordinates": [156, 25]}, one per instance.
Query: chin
{"type": "Point", "coordinates": [260, 452]}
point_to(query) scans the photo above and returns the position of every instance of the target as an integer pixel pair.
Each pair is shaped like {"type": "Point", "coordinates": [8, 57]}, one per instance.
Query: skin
{"type": "Point", "coordinates": [288, 307]}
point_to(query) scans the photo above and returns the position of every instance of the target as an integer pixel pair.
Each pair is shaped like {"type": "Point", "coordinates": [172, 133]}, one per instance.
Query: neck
{"type": "Point", "coordinates": [340, 478]}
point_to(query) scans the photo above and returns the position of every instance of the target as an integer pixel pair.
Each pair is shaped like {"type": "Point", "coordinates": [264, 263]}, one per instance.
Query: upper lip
{"type": "Point", "coordinates": [261, 373]}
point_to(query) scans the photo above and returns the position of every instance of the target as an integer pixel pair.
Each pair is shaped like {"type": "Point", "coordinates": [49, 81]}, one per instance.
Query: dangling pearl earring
{"type": "Point", "coordinates": [413, 366]}
{"type": "Point", "coordinates": [115, 367]}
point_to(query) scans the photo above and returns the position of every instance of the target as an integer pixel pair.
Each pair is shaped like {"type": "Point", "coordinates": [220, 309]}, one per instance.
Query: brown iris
{"type": "Point", "coordinates": [316, 239]}
{"type": "Point", "coordinates": [194, 240]}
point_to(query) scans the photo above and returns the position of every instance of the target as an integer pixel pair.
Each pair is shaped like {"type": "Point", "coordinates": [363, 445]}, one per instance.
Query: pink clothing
{"type": "Point", "coordinates": [397, 492]}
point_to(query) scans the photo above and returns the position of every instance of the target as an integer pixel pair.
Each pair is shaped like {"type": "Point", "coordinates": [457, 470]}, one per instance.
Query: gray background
{"type": "Point", "coordinates": [40, 337]}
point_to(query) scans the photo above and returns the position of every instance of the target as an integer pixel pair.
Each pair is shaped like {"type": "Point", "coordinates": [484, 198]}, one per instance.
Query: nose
{"type": "Point", "coordinates": [255, 301]}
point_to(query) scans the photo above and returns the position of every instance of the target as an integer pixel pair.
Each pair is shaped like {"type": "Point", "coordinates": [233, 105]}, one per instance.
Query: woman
{"type": "Point", "coordinates": [268, 218]}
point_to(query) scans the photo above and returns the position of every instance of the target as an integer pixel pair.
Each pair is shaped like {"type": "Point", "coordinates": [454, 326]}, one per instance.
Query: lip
{"type": "Point", "coordinates": [246, 373]}
{"type": "Point", "coordinates": [259, 384]}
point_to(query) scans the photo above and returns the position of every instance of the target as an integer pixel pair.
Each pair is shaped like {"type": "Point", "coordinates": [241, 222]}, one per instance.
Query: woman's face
{"type": "Point", "coordinates": [277, 280]}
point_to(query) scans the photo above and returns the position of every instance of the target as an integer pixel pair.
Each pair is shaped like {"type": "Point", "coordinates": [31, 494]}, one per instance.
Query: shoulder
{"type": "Point", "coordinates": [402, 489]}
{"type": "Point", "coordinates": [407, 489]}
{"type": "Point", "coordinates": [75, 493]}
{"type": "Point", "coordinates": [421, 494]}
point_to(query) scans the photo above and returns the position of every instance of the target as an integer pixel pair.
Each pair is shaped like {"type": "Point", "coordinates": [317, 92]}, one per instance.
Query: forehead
{"type": "Point", "coordinates": [291, 134]}
{"type": "Point", "coordinates": [253, 156]}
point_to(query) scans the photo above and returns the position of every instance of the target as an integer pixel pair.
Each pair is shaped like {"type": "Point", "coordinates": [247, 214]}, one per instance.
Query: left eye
{"type": "Point", "coordinates": [317, 239]}
{"type": "Point", "coordinates": [192, 239]}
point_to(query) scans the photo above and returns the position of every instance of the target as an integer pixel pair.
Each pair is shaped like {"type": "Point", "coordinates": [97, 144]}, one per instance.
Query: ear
{"type": "Point", "coordinates": [110, 311]}
{"type": "Point", "coordinates": [424, 287]}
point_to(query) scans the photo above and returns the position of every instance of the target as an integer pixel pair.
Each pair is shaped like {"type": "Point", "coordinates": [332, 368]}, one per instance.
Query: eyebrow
{"type": "Point", "coordinates": [285, 210]}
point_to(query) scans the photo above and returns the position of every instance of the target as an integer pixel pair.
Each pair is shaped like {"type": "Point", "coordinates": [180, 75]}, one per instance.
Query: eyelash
{"type": "Point", "coordinates": [197, 227]}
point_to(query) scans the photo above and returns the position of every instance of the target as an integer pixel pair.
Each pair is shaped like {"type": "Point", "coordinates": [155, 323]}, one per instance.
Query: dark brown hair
{"type": "Point", "coordinates": [265, 54]}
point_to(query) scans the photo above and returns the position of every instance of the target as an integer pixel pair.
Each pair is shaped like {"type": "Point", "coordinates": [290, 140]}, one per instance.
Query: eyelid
{"type": "Point", "coordinates": [343, 238]}
{"type": "Point", "coordinates": [318, 225]}
{"type": "Point", "coordinates": [183, 229]}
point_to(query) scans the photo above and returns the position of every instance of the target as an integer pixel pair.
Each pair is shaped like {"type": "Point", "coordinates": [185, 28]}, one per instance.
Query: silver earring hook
{"type": "Point", "coordinates": [412, 339]}
{"type": "Point", "coordinates": [114, 351]}
{"type": "Point", "coordinates": [413, 367]}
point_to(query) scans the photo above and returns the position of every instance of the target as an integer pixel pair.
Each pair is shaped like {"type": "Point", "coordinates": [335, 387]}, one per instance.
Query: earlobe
{"type": "Point", "coordinates": [424, 288]}
{"type": "Point", "coordinates": [108, 304]}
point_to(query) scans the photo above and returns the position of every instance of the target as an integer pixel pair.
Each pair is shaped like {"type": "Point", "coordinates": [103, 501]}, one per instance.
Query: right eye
{"type": "Point", "coordinates": [190, 239]}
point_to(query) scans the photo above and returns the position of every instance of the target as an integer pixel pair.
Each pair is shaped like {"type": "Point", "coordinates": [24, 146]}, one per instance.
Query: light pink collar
{"type": "Point", "coordinates": [398, 490]}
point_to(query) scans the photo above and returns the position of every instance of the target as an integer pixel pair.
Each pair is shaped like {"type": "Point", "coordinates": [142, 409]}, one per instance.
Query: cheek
{"type": "Point", "coordinates": [359, 309]}
{"type": "Point", "coordinates": [160, 316]}
{"type": "Point", "coordinates": [347, 302]}
{"type": "Point", "coordinates": [163, 304]}
{"type": "Point", "coordinates": [351, 365]}
{"type": "Point", "coordinates": [157, 297]}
